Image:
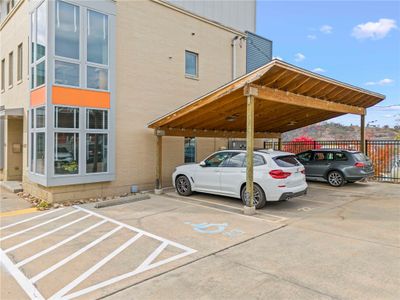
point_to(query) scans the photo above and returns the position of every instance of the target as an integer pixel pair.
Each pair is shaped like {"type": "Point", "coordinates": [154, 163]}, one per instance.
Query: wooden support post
{"type": "Point", "coordinates": [280, 143]}
{"type": "Point", "coordinates": [362, 134]}
{"type": "Point", "coordinates": [249, 208]}
{"type": "Point", "coordinates": [158, 183]}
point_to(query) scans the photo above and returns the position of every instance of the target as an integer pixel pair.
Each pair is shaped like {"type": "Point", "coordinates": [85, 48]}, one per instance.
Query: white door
{"type": "Point", "coordinates": [207, 178]}
{"type": "Point", "coordinates": [232, 173]}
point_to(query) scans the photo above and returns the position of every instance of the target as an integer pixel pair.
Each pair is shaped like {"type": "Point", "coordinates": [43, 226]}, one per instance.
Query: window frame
{"type": "Point", "coordinates": [191, 76]}
{"type": "Point", "coordinates": [20, 62]}
{"type": "Point", "coordinates": [92, 64]}
{"type": "Point", "coordinates": [3, 75]}
{"type": "Point", "coordinates": [10, 69]}
{"type": "Point", "coordinates": [107, 111]}
{"type": "Point", "coordinates": [33, 47]}
{"type": "Point", "coordinates": [33, 131]}
{"type": "Point", "coordinates": [70, 60]}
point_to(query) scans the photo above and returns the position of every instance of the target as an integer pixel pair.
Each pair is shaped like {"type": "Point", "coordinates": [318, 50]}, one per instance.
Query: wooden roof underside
{"type": "Point", "coordinates": [286, 98]}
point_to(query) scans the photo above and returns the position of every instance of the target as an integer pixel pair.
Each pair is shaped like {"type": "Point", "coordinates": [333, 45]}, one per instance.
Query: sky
{"type": "Point", "coordinates": [357, 42]}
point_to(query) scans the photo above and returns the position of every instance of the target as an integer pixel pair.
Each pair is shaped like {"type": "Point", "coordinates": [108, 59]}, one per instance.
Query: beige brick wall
{"type": "Point", "coordinates": [13, 32]}
{"type": "Point", "coordinates": [151, 44]}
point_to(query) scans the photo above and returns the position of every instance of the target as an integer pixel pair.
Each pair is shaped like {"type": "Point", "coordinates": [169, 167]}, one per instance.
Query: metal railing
{"type": "Point", "coordinates": [385, 154]}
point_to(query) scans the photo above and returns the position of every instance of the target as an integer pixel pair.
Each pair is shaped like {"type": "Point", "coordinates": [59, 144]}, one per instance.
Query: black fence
{"type": "Point", "coordinates": [385, 154]}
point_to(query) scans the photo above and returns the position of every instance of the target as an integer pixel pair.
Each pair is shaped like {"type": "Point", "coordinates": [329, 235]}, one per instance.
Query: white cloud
{"type": "Point", "coordinates": [395, 107]}
{"type": "Point", "coordinates": [277, 57]}
{"type": "Point", "coordinates": [385, 81]}
{"type": "Point", "coordinates": [319, 70]}
{"type": "Point", "coordinates": [327, 29]}
{"type": "Point", "coordinates": [312, 37]}
{"type": "Point", "coordinates": [374, 30]}
{"type": "Point", "coordinates": [299, 57]}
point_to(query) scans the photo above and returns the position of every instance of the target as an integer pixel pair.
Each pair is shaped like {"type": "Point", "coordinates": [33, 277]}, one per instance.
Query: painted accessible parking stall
{"type": "Point", "coordinates": [85, 252]}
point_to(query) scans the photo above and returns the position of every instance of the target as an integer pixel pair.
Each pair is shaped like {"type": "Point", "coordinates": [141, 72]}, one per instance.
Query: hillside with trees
{"type": "Point", "coordinates": [335, 131]}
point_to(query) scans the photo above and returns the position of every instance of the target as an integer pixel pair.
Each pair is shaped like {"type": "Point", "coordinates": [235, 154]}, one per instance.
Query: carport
{"type": "Point", "coordinates": [273, 99]}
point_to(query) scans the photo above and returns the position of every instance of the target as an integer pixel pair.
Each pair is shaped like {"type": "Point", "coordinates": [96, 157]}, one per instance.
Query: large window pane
{"type": "Point", "coordinates": [96, 119]}
{"type": "Point", "coordinates": [67, 30]}
{"type": "Point", "coordinates": [40, 153]}
{"type": "Point", "coordinates": [97, 78]}
{"type": "Point", "coordinates": [32, 148]}
{"type": "Point", "coordinates": [66, 153]}
{"type": "Point", "coordinates": [191, 63]}
{"type": "Point", "coordinates": [96, 153]}
{"type": "Point", "coordinates": [33, 35]}
{"type": "Point", "coordinates": [97, 38]}
{"type": "Point", "coordinates": [66, 73]}
{"type": "Point", "coordinates": [40, 74]}
{"type": "Point", "coordinates": [66, 117]}
{"type": "Point", "coordinates": [41, 31]}
{"type": "Point", "coordinates": [40, 117]}
{"type": "Point", "coordinates": [190, 149]}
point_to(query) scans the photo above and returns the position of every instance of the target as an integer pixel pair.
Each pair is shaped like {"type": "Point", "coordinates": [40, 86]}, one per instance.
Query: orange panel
{"type": "Point", "coordinates": [80, 97]}
{"type": "Point", "coordinates": [38, 96]}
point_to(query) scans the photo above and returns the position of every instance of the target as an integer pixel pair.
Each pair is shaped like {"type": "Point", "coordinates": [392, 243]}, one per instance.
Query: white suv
{"type": "Point", "coordinates": [277, 176]}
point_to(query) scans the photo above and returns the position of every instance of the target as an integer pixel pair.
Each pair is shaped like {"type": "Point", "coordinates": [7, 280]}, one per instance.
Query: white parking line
{"type": "Point", "coordinates": [73, 255]}
{"type": "Point", "coordinates": [45, 251]}
{"type": "Point", "coordinates": [97, 266]}
{"type": "Point", "coordinates": [37, 226]}
{"type": "Point", "coordinates": [45, 234]}
{"type": "Point", "coordinates": [24, 282]}
{"type": "Point", "coordinates": [32, 218]}
{"type": "Point", "coordinates": [28, 285]}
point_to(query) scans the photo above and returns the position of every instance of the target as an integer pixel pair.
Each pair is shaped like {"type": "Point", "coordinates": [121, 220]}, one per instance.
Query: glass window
{"type": "Point", "coordinates": [286, 161]}
{"type": "Point", "coordinates": [41, 32]}
{"type": "Point", "coordinates": [258, 160]}
{"type": "Point", "coordinates": [96, 119]}
{"type": "Point", "coordinates": [66, 117]}
{"type": "Point", "coordinates": [66, 153]}
{"type": "Point", "coordinates": [305, 156]}
{"type": "Point", "coordinates": [19, 63]}
{"type": "Point", "coordinates": [66, 73]}
{"type": "Point", "coordinates": [190, 149]}
{"type": "Point", "coordinates": [319, 156]}
{"type": "Point", "coordinates": [67, 30]}
{"type": "Point", "coordinates": [32, 77]}
{"type": "Point", "coordinates": [40, 117]}
{"type": "Point", "coordinates": [97, 38]}
{"type": "Point", "coordinates": [191, 61]}
{"type": "Point", "coordinates": [32, 149]}
{"type": "Point", "coordinates": [10, 68]}
{"type": "Point", "coordinates": [40, 153]}
{"type": "Point", "coordinates": [236, 161]}
{"type": "Point", "coordinates": [97, 78]}
{"type": "Point", "coordinates": [3, 74]}
{"type": "Point", "coordinates": [40, 74]}
{"type": "Point", "coordinates": [96, 152]}
{"type": "Point", "coordinates": [217, 159]}
{"type": "Point", "coordinates": [33, 36]}
{"type": "Point", "coordinates": [32, 118]}
{"type": "Point", "coordinates": [340, 156]}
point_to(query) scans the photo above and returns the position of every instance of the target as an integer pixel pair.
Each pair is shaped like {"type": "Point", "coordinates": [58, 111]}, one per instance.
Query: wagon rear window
{"type": "Point", "coordinates": [286, 161]}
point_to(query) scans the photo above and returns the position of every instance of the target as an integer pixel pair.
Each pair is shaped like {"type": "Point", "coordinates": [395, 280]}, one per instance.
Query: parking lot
{"type": "Point", "coordinates": [332, 243]}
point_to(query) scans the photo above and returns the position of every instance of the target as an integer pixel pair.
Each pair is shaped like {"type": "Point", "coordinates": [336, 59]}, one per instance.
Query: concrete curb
{"type": "Point", "coordinates": [12, 186]}
{"type": "Point", "coordinates": [122, 200]}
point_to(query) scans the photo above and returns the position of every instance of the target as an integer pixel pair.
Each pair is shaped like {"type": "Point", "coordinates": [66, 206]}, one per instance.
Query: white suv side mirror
{"type": "Point", "coordinates": [202, 164]}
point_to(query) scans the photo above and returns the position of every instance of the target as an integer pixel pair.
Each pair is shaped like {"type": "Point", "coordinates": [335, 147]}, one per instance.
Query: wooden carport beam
{"type": "Point", "coordinates": [215, 133]}
{"type": "Point", "coordinates": [158, 184]}
{"type": "Point", "coordinates": [274, 95]}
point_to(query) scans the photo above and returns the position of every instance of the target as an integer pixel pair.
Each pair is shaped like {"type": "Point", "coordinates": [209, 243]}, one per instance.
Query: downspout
{"type": "Point", "coordinates": [233, 44]}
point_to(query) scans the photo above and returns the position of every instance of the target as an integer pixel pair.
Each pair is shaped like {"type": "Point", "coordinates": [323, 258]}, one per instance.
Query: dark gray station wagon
{"type": "Point", "coordinates": [336, 166]}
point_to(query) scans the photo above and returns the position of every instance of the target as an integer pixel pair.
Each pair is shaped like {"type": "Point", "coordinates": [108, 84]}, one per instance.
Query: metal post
{"type": "Point", "coordinates": [249, 208]}
{"type": "Point", "coordinates": [362, 134]}
{"type": "Point", "coordinates": [158, 183]}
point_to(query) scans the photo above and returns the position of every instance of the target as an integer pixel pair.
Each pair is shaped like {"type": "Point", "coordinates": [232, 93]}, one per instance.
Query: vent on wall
{"type": "Point", "coordinates": [258, 51]}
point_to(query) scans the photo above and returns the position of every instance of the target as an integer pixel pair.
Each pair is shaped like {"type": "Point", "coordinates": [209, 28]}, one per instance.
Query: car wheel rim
{"type": "Point", "coordinates": [182, 185]}
{"type": "Point", "coordinates": [256, 196]}
{"type": "Point", "coordinates": [335, 178]}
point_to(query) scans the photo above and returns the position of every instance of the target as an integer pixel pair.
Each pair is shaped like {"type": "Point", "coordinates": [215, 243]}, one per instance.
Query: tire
{"type": "Point", "coordinates": [183, 186]}
{"type": "Point", "coordinates": [259, 196]}
{"type": "Point", "coordinates": [335, 178]}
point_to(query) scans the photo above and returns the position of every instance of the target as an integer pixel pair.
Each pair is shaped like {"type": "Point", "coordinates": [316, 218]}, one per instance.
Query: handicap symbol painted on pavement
{"type": "Point", "coordinates": [209, 228]}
